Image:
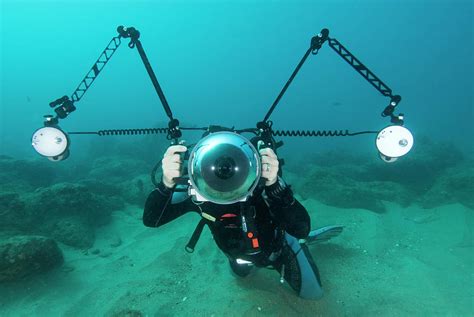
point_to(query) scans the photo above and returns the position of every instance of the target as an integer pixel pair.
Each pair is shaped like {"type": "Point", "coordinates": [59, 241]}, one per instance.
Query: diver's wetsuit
{"type": "Point", "coordinates": [280, 221]}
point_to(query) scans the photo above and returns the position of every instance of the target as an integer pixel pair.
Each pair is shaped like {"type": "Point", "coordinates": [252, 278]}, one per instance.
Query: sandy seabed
{"type": "Point", "coordinates": [405, 262]}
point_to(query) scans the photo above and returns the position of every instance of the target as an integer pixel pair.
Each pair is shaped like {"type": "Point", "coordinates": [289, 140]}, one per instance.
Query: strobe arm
{"type": "Point", "coordinates": [371, 78]}
{"type": "Point", "coordinates": [65, 105]}
{"type": "Point", "coordinates": [174, 131]}
{"type": "Point", "coordinates": [392, 142]}
{"type": "Point", "coordinates": [316, 43]}
{"type": "Point", "coordinates": [52, 142]}
{"type": "Point", "coordinates": [265, 127]}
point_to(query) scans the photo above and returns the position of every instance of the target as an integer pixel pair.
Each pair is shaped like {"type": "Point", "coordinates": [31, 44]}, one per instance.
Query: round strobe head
{"type": "Point", "coordinates": [224, 168]}
{"type": "Point", "coordinates": [394, 141]}
{"type": "Point", "coordinates": [50, 142]}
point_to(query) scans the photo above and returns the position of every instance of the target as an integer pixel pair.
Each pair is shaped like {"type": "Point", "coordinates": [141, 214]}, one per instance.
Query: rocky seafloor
{"type": "Point", "coordinates": [45, 204]}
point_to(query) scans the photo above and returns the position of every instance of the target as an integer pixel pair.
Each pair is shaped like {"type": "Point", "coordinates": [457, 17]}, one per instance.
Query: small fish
{"type": "Point", "coordinates": [336, 104]}
{"type": "Point", "coordinates": [28, 99]}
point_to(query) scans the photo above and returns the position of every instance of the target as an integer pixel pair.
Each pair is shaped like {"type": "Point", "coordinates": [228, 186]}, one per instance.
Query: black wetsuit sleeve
{"type": "Point", "coordinates": [288, 211]}
{"type": "Point", "coordinates": [159, 209]}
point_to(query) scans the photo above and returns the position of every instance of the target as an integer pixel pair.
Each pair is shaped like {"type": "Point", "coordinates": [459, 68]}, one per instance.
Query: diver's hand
{"type": "Point", "coordinates": [270, 166]}
{"type": "Point", "coordinates": [171, 164]}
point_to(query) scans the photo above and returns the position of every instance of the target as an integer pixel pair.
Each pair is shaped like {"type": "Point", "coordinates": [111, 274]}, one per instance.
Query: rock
{"type": "Point", "coordinates": [127, 313]}
{"type": "Point", "coordinates": [66, 199]}
{"type": "Point", "coordinates": [366, 181]}
{"type": "Point", "coordinates": [66, 212]}
{"type": "Point", "coordinates": [23, 174]}
{"type": "Point", "coordinates": [101, 187]}
{"type": "Point", "coordinates": [136, 190]}
{"type": "Point", "coordinates": [72, 231]}
{"type": "Point", "coordinates": [456, 185]}
{"type": "Point", "coordinates": [332, 187]}
{"type": "Point", "coordinates": [115, 168]}
{"type": "Point", "coordinates": [12, 212]}
{"type": "Point", "coordinates": [420, 169]}
{"type": "Point", "coordinates": [105, 254]}
{"type": "Point", "coordinates": [67, 268]}
{"type": "Point", "coordinates": [115, 242]}
{"type": "Point", "coordinates": [24, 256]}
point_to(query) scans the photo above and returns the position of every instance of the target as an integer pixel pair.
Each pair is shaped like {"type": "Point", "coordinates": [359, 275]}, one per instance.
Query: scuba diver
{"type": "Point", "coordinates": [234, 184]}
{"type": "Point", "coordinates": [274, 228]}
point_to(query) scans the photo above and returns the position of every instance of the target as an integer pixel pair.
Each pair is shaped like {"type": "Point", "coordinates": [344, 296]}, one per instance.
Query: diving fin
{"type": "Point", "coordinates": [323, 234]}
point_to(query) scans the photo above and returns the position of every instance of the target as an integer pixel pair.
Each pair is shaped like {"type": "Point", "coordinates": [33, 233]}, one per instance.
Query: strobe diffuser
{"type": "Point", "coordinates": [393, 142]}
{"type": "Point", "coordinates": [51, 142]}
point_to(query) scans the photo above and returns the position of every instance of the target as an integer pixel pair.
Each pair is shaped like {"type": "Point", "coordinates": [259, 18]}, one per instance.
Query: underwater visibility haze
{"type": "Point", "coordinates": [365, 209]}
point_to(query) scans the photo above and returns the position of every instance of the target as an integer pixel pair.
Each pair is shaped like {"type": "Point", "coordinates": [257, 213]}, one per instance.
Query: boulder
{"type": "Point", "coordinates": [66, 199]}
{"type": "Point", "coordinates": [25, 256]}
{"type": "Point", "coordinates": [72, 231]}
{"type": "Point", "coordinates": [420, 169]}
{"type": "Point", "coordinates": [69, 213]}
{"type": "Point", "coordinates": [116, 169]}
{"type": "Point", "coordinates": [20, 175]}
{"type": "Point", "coordinates": [136, 190]}
{"type": "Point", "coordinates": [334, 187]}
{"type": "Point", "coordinates": [12, 212]}
{"type": "Point", "coordinates": [456, 185]}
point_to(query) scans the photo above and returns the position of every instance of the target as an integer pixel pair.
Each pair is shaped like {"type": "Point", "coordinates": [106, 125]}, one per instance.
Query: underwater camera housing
{"type": "Point", "coordinates": [50, 141]}
{"type": "Point", "coordinates": [224, 168]}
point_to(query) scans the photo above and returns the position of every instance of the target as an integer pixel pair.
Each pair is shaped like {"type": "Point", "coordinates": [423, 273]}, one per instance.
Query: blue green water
{"type": "Point", "coordinates": [224, 62]}
{"type": "Point", "coordinates": [219, 58]}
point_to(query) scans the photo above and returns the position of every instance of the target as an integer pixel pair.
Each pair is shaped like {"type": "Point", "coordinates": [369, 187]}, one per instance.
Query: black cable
{"type": "Point", "coordinates": [195, 129]}
{"type": "Point", "coordinates": [363, 132]}
{"type": "Point", "coordinates": [132, 131]}
{"type": "Point", "coordinates": [318, 133]}
{"type": "Point", "coordinates": [281, 133]}
{"type": "Point", "coordinates": [83, 132]}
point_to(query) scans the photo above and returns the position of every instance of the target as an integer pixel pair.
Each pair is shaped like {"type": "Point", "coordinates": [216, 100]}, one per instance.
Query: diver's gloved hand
{"type": "Point", "coordinates": [172, 164]}
{"type": "Point", "coordinates": [270, 166]}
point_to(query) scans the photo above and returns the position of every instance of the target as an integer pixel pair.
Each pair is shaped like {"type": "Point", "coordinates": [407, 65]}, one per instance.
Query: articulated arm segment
{"type": "Point", "coordinates": [104, 57]}
{"type": "Point", "coordinates": [360, 68]}
{"type": "Point", "coordinates": [65, 105]}
{"type": "Point", "coordinates": [174, 131]}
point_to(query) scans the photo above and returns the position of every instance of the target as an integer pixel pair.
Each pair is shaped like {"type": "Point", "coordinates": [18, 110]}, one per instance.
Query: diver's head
{"type": "Point", "coordinates": [224, 168]}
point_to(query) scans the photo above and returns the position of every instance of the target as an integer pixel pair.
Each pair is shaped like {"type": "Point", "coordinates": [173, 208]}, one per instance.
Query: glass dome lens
{"type": "Point", "coordinates": [224, 167]}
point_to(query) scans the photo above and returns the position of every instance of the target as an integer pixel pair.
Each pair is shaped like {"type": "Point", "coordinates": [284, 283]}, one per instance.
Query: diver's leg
{"type": "Point", "coordinates": [241, 270]}
{"type": "Point", "coordinates": [300, 271]}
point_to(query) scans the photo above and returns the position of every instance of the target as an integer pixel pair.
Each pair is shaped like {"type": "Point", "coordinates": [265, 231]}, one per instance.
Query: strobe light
{"type": "Point", "coordinates": [394, 142]}
{"type": "Point", "coordinates": [51, 142]}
